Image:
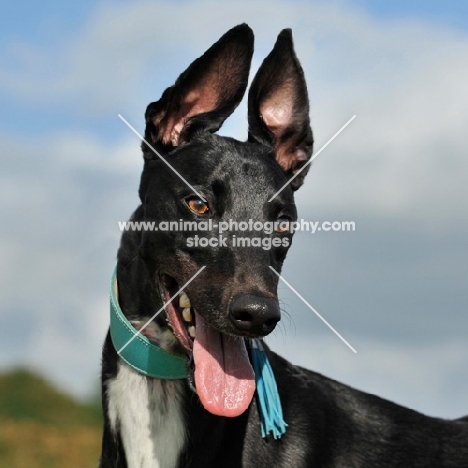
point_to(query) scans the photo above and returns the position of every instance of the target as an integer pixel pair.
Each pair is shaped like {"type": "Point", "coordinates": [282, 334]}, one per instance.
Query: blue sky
{"type": "Point", "coordinates": [49, 25]}
{"type": "Point", "coordinates": [396, 288]}
{"type": "Point", "coordinates": [450, 13]}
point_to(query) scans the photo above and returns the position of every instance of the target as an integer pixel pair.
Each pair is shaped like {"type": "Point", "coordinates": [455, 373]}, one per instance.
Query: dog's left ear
{"type": "Point", "coordinates": [279, 109]}
{"type": "Point", "coordinates": [204, 95]}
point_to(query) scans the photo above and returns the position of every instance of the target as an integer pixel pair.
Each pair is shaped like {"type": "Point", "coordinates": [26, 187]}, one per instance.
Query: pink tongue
{"type": "Point", "coordinates": [224, 378]}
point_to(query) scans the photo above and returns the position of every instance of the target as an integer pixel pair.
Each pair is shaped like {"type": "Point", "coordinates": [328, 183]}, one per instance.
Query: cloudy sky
{"type": "Point", "coordinates": [396, 288]}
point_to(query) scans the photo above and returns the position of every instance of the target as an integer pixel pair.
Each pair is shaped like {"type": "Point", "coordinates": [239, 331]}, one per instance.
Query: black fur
{"type": "Point", "coordinates": [329, 424]}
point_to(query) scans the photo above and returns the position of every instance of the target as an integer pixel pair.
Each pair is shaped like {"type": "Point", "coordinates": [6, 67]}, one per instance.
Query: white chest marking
{"type": "Point", "coordinates": [149, 415]}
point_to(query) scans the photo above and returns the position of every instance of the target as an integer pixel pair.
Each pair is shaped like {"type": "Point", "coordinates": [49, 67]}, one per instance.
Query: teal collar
{"type": "Point", "coordinates": [140, 353]}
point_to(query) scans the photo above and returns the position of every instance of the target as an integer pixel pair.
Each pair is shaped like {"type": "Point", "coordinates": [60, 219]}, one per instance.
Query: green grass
{"type": "Point", "coordinates": [43, 427]}
{"type": "Point", "coordinates": [25, 396]}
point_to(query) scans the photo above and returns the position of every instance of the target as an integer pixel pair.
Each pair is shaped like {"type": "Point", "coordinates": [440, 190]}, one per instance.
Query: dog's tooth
{"type": "Point", "coordinates": [192, 331]}
{"type": "Point", "coordinates": [187, 314]}
{"type": "Point", "coordinates": [184, 301]}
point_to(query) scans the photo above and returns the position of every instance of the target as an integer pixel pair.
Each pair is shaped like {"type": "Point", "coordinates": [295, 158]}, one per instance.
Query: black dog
{"type": "Point", "coordinates": [211, 417]}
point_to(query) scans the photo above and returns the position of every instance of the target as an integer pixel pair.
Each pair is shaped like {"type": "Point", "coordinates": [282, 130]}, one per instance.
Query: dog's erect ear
{"type": "Point", "coordinates": [279, 108]}
{"type": "Point", "coordinates": [205, 94]}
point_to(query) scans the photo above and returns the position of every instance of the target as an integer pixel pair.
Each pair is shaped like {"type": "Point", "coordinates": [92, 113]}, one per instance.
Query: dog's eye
{"type": "Point", "coordinates": [283, 224]}
{"type": "Point", "coordinates": [197, 205]}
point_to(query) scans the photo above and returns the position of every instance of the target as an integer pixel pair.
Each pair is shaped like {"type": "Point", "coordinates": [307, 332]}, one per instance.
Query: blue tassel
{"type": "Point", "coordinates": [271, 413]}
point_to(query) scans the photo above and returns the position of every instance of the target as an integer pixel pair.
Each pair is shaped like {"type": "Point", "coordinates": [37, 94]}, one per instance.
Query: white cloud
{"type": "Point", "coordinates": [63, 198]}
{"type": "Point", "coordinates": [407, 145]}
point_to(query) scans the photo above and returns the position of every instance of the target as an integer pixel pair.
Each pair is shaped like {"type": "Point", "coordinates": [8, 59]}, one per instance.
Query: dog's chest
{"type": "Point", "coordinates": [149, 415]}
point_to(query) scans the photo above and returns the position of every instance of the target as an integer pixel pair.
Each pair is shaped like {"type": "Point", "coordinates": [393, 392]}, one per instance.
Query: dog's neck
{"type": "Point", "coordinates": [150, 417]}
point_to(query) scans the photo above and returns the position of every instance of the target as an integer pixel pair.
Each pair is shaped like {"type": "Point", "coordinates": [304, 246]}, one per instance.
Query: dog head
{"type": "Point", "coordinates": [221, 188]}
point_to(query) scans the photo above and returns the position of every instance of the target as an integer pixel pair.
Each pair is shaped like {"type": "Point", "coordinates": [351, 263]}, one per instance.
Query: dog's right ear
{"type": "Point", "coordinates": [204, 95]}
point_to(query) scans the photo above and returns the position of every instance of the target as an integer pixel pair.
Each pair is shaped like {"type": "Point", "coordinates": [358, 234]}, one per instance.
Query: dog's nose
{"type": "Point", "coordinates": [256, 315]}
